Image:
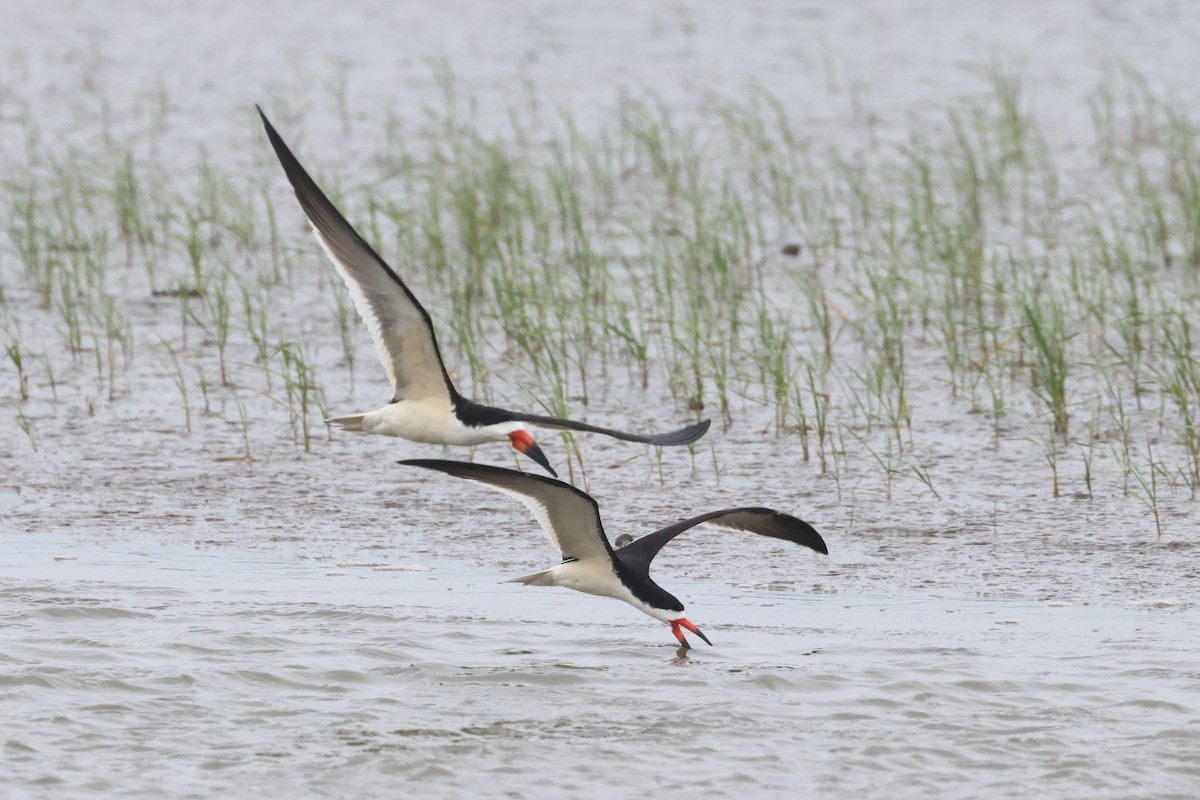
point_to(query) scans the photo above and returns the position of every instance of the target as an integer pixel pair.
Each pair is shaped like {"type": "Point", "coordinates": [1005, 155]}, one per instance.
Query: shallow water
{"type": "Point", "coordinates": [158, 669]}
{"type": "Point", "coordinates": [175, 622]}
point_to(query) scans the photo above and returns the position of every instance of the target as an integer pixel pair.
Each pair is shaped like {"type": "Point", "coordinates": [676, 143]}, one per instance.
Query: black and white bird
{"type": "Point", "coordinates": [425, 406]}
{"type": "Point", "coordinates": [571, 518]}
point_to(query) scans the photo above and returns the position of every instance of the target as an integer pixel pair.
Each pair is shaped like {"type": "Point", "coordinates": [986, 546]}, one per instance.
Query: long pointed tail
{"type": "Point", "coordinates": [543, 578]}
{"type": "Point", "coordinates": [350, 423]}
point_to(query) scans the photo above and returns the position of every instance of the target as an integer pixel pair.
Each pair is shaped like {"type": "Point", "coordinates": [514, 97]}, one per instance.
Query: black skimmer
{"type": "Point", "coordinates": [571, 519]}
{"type": "Point", "coordinates": [425, 407]}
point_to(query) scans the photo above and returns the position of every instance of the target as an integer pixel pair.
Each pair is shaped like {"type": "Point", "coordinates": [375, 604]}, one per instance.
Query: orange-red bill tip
{"type": "Point", "coordinates": [524, 444]}
{"type": "Point", "coordinates": [686, 623]}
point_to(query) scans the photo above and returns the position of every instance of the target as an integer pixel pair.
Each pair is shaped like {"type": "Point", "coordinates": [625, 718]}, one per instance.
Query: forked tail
{"type": "Point", "coordinates": [350, 423]}
{"type": "Point", "coordinates": [543, 578]}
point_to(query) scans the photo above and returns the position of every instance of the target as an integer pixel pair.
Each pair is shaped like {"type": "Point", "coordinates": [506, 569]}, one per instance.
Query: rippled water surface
{"type": "Point", "coordinates": [154, 668]}
{"type": "Point", "coordinates": [175, 621]}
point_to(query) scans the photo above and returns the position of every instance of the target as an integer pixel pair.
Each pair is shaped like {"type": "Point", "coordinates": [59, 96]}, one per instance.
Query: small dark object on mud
{"type": "Point", "coordinates": [792, 249]}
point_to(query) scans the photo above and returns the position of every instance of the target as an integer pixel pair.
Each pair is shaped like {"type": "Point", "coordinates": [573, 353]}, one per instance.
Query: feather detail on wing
{"type": "Point", "coordinates": [569, 516]}
{"type": "Point", "coordinates": [399, 325]}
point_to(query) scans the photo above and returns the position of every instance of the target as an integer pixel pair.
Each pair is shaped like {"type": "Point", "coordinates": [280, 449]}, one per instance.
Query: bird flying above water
{"type": "Point", "coordinates": [571, 518]}
{"type": "Point", "coordinates": [425, 406]}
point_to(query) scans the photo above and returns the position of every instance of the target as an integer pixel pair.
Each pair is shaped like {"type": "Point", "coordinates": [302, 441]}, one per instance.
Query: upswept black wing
{"type": "Point", "coordinates": [764, 521]}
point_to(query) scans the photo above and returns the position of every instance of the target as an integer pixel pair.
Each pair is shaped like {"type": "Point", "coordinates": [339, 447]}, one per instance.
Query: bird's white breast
{"type": "Point", "coordinates": [431, 422]}
{"type": "Point", "coordinates": [599, 578]}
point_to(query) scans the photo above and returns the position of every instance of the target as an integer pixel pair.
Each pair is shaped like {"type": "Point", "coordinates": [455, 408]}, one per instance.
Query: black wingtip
{"type": "Point", "coordinates": [801, 532]}
{"type": "Point", "coordinates": [441, 464]}
{"type": "Point", "coordinates": [266, 122]}
{"type": "Point", "coordinates": [458, 469]}
{"type": "Point", "coordinates": [296, 174]}
{"type": "Point", "coordinates": [463, 469]}
{"type": "Point", "coordinates": [805, 534]}
{"type": "Point", "coordinates": [682, 436]}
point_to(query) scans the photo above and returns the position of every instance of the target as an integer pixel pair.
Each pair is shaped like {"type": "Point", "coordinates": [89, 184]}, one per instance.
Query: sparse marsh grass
{"type": "Point", "coordinates": [13, 352]}
{"type": "Point", "coordinates": [839, 298]}
{"type": "Point", "coordinates": [303, 393]}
